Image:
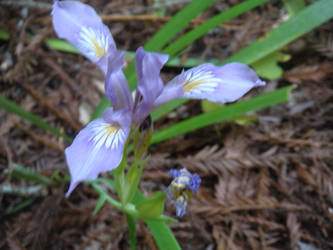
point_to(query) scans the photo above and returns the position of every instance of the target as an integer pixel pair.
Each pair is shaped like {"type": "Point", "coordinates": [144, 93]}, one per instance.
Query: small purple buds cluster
{"type": "Point", "coordinates": [180, 191]}
{"type": "Point", "coordinates": [99, 146]}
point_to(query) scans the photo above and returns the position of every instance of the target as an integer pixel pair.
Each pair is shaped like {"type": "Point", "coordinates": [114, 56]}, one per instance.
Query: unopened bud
{"type": "Point", "coordinates": [142, 137]}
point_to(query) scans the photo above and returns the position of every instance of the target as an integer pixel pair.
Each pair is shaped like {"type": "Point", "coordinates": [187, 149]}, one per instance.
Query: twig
{"type": "Point", "coordinates": [8, 152]}
{"type": "Point", "coordinates": [45, 102]}
{"type": "Point", "coordinates": [44, 140]}
{"type": "Point", "coordinates": [22, 191]}
{"type": "Point", "coordinates": [65, 77]}
{"type": "Point", "coordinates": [27, 3]}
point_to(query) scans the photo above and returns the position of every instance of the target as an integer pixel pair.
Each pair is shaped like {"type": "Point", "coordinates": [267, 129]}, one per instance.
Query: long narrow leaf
{"type": "Point", "coordinates": [12, 107]}
{"type": "Point", "coordinates": [224, 113]}
{"type": "Point", "coordinates": [177, 23]}
{"type": "Point", "coordinates": [304, 21]}
{"type": "Point", "coordinates": [162, 234]}
{"type": "Point", "coordinates": [210, 24]}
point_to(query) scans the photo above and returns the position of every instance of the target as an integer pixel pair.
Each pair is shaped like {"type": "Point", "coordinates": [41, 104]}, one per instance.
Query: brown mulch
{"type": "Point", "coordinates": [265, 185]}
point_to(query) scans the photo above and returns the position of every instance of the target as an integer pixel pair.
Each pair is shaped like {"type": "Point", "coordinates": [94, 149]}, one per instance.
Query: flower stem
{"type": "Point", "coordinates": [131, 222]}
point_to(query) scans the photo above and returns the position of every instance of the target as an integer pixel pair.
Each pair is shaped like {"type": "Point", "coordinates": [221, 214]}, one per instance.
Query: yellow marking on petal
{"type": "Point", "coordinates": [100, 51]}
{"type": "Point", "coordinates": [112, 129]}
{"type": "Point", "coordinates": [188, 86]}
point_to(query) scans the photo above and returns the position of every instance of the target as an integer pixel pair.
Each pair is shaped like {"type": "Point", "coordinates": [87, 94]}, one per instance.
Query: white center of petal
{"type": "Point", "coordinates": [94, 42]}
{"type": "Point", "coordinates": [108, 135]}
{"type": "Point", "coordinates": [200, 80]}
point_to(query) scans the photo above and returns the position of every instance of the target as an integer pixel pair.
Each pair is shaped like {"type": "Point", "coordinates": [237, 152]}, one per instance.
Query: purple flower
{"type": "Point", "coordinates": [99, 146]}
{"type": "Point", "coordinates": [180, 190]}
{"type": "Point", "coordinates": [81, 26]}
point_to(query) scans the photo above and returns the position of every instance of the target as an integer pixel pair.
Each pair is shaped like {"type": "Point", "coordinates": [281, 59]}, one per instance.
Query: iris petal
{"type": "Point", "coordinates": [97, 148]}
{"type": "Point", "coordinates": [150, 85]}
{"type": "Point", "coordinates": [218, 83]}
{"type": "Point", "coordinates": [116, 87]}
{"type": "Point", "coordinates": [79, 24]}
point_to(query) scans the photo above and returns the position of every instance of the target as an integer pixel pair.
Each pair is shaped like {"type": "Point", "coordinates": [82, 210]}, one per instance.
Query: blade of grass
{"type": "Point", "coordinates": [210, 24]}
{"type": "Point", "coordinates": [20, 206]}
{"type": "Point", "coordinates": [304, 21]}
{"type": "Point", "coordinates": [4, 35]}
{"type": "Point", "coordinates": [177, 23]}
{"type": "Point", "coordinates": [12, 107]}
{"type": "Point", "coordinates": [21, 172]}
{"type": "Point", "coordinates": [224, 113]}
{"type": "Point", "coordinates": [61, 45]}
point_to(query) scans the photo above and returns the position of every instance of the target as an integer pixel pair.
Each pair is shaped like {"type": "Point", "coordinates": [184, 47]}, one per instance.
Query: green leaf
{"type": "Point", "coordinates": [132, 180]}
{"type": "Point", "coordinates": [268, 67]}
{"type": "Point", "coordinates": [208, 106]}
{"type": "Point", "coordinates": [241, 120]}
{"type": "Point", "coordinates": [100, 203]}
{"type": "Point", "coordinates": [210, 24]}
{"type": "Point", "coordinates": [224, 113]}
{"type": "Point", "coordinates": [20, 206]}
{"type": "Point", "coordinates": [21, 172]}
{"type": "Point", "coordinates": [61, 45]}
{"type": "Point", "coordinates": [152, 207]}
{"type": "Point", "coordinates": [244, 120]}
{"type": "Point", "coordinates": [4, 35]}
{"type": "Point", "coordinates": [294, 6]}
{"type": "Point", "coordinates": [161, 232]}
{"type": "Point", "coordinates": [304, 21]}
{"type": "Point", "coordinates": [12, 107]}
{"type": "Point", "coordinates": [176, 24]}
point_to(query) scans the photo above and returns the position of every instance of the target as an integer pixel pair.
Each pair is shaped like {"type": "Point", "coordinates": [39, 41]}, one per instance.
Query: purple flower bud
{"type": "Point", "coordinates": [194, 183]}
{"type": "Point", "coordinates": [181, 188]}
{"type": "Point", "coordinates": [174, 173]}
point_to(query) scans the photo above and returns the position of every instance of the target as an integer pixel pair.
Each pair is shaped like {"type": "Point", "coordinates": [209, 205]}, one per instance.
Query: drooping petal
{"type": "Point", "coordinates": [116, 87]}
{"type": "Point", "coordinates": [170, 91]}
{"type": "Point", "coordinates": [218, 83]}
{"type": "Point", "coordinates": [148, 67]}
{"type": "Point", "coordinates": [81, 26]}
{"type": "Point", "coordinates": [97, 148]}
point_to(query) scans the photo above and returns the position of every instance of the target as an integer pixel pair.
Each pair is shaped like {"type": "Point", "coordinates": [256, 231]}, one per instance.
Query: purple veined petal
{"type": "Point", "coordinates": [79, 24]}
{"type": "Point", "coordinates": [150, 85]}
{"type": "Point", "coordinates": [121, 117]}
{"type": "Point", "coordinates": [97, 148]}
{"type": "Point", "coordinates": [172, 90]}
{"type": "Point", "coordinates": [116, 87]}
{"type": "Point", "coordinates": [219, 83]}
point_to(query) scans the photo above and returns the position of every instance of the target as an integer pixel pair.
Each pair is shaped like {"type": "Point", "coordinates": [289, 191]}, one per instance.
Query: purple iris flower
{"type": "Point", "coordinates": [99, 146]}
{"type": "Point", "coordinates": [180, 190]}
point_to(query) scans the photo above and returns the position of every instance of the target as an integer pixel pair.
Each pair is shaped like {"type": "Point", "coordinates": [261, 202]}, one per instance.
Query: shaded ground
{"type": "Point", "coordinates": [266, 185]}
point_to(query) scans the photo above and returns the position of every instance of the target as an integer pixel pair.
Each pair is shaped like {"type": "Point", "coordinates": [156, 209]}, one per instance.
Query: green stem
{"type": "Point", "coordinates": [131, 222]}
{"type": "Point", "coordinates": [107, 198]}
